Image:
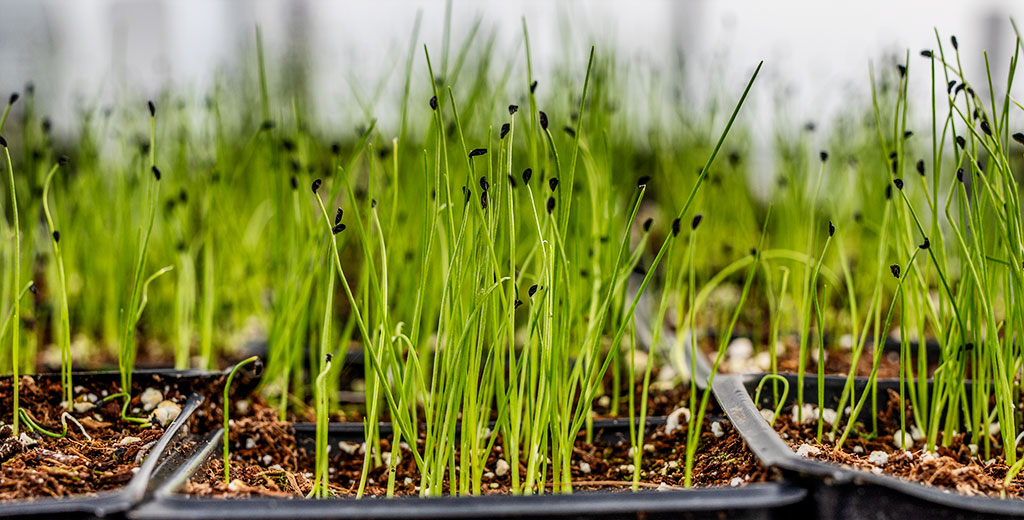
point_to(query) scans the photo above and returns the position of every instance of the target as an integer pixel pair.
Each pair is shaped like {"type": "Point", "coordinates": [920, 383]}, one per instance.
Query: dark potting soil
{"type": "Point", "coordinates": [76, 464]}
{"type": "Point", "coordinates": [267, 461]}
{"type": "Point", "coordinates": [955, 467]}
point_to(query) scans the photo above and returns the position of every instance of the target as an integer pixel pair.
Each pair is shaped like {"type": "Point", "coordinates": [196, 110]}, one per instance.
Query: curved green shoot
{"type": "Point", "coordinates": [779, 403]}
{"type": "Point", "coordinates": [227, 409]}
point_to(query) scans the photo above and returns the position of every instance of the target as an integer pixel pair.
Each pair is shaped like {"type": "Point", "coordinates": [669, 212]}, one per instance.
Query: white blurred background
{"type": "Point", "coordinates": [816, 53]}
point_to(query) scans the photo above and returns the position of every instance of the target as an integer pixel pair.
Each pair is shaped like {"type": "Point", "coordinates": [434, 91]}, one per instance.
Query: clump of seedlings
{"type": "Point", "coordinates": [949, 239]}
{"type": "Point", "coordinates": [489, 309]}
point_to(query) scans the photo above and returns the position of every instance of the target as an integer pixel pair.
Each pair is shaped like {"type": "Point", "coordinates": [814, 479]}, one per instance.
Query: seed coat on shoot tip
{"type": "Point", "coordinates": [512, 180]}
{"type": "Point", "coordinates": [527, 174]}
{"type": "Point", "coordinates": [484, 185]}
{"type": "Point", "coordinates": [568, 129]}
{"type": "Point", "coordinates": [553, 183]}
{"type": "Point", "coordinates": [888, 191]}
{"type": "Point", "coordinates": [504, 131]}
{"type": "Point", "coordinates": [696, 221]}
{"type": "Point", "coordinates": [960, 174]}
{"type": "Point", "coordinates": [3, 142]}
{"type": "Point", "coordinates": [533, 86]}
{"type": "Point", "coordinates": [956, 44]}
{"type": "Point", "coordinates": [647, 224]}
{"type": "Point", "coordinates": [152, 108]}
{"type": "Point", "coordinates": [823, 155]}
{"type": "Point", "coordinates": [926, 53]}
{"type": "Point", "coordinates": [517, 303]}
{"type": "Point", "coordinates": [1019, 137]}
{"type": "Point", "coordinates": [902, 70]}
{"type": "Point", "coordinates": [316, 185]}
{"type": "Point", "coordinates": [533, 290]}
{"type": "Point", "coordinates": [156, 172]}
{"type": "Point", "coordinates": [56, 235]}
{"type": "Point", "coordinates": [920, 166]}
{"type": "Point", "coordinates": [985, 128]}
{"type": "Point", "coordinates": [32, 288]}
{"type": "Point", "coordinates": [512, 109]}
{"type": "Point", "coordinates": [338, 228]}
{"type": "Point", "coordinates": [898, 183]}
{"type": "Point", "coordinates": [551, 204]}
{"type": "Point", "coordinates": [483, 200]}
{"type": "Point", "coordinates": [960, 141]}
{"type": "Point", "coordinates": [433, 102]}
{"type": "Point", "coordinates": [63, 160]}
{"type": "Point", "coordinates": [926, 244]}
{"type": "Point", "coordinates": [13, 99]}
{"type": "Point", "coordinates": [543, 120]}
{"type": "Point", "coordinates": [895, 270]}
{"type": "Point", "coordinates": [675, 227]}
{"type": "Point", "coordinates": [831, 228]}
{"type": "Point", "coordinates": [642, 181]}
{"type": "Point", "coordinates": [295, 182]}
{"type": "Point", "coordinates": [477, 152]}
{"type": "Point", "coordinates": [337, 216]}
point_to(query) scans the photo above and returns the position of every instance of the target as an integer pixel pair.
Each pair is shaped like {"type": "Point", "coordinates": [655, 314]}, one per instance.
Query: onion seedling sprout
{"type": "Point", "coordinates": [258, 368]}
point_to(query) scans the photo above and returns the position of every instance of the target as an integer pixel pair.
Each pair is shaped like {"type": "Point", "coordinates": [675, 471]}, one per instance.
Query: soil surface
{"type": "Point", "coordinates": [104, 457]}
{"type": "Point", "coordinates": [837, 359]}
{"type": "Point", "coordinates": [958, 467]}
{"type": "Point", "coordinates": [269, 460]}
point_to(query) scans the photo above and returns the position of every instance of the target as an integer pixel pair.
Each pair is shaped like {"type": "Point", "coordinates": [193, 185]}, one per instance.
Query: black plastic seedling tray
{"type": "Point", "coordinates": [756, 501]}
{"type": "Point", "coordinates": [162, 460]}
{"type": "Point", "coordinates": [837, 491]}
{"type": "Point", "coordinates": [114, 502]}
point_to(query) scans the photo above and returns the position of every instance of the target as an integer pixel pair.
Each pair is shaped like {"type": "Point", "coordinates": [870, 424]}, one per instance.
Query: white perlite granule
{"type": "Point", "coordinates": [501, 468]}
{"type": "Point", "coordinates": [878, 458]}
{"type": "Point", "coordinates": [806, 450]}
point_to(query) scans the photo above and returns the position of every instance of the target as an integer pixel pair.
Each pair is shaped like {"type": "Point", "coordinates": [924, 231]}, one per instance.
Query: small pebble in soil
{"type": "Point", "coordinates": [673, 422]}
{"type": "Point", "coordinates": [806, 413]}
{"type": "Point", "coordinates": [408, 481]}
{"type": "Point", "coordinates": [716, 429]}
{"type": "Point", "coordinates": [83, 406]}
{"type": "Point", "coordinates": [858, 449]}
{"type": "Point", "coordinates": [250, 443]}
{"type": "Point", "coordinates": [26, 441]}
{"type": "Point", "coordinates": [806, 450]}
{"type": "Point", "coordinates": [150, 398]}
{"type": "Point", "coordinates": [828, 415]}
{"type": "Point", "coordinates": [902, 440]}
{"type": "Point", "coordinates": [129, 440]}
{"type": "Point", "coordinates": [768, 414]}
{"type": "Point", "coordinates": [584, 468]}
{"type": "Point", "coordinates": [740, 348]}
{"type": "Point", "coordinates": [501, 468]}
{"type": "Point", "coordinates": [166, 412]}
{"type": "Point", "coordinates": [973, 448]}
{"type": "Point", "coordinates": [736, 481]}
{"type": "Point", "coordinates": [846, 342]}
{"type": "Point", "coordinates": [488, 475]}
{"type": "Point", "coordinates": [348, 447]}
{"type": "Point", "coordinates": [916, 433]}
{"type": "Point", "coordinates": [878, 458]}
